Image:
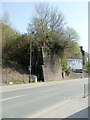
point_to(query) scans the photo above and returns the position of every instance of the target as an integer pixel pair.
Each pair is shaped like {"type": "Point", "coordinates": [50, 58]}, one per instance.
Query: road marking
{"type": "Point", "coordinates": [64, 97]}
{"type": "Point", "coordinates": [12, 97]}
{"type": "Point", "coordinates": [50, 109]}
{"type": "Point", "coordinates": [48, 90]}
{"type": "Point", "coordinates": [26, 87]}
{"type": "Point", "coordinates": [39, 85]}
{"type": "Point", "coordinates": [39, 114]}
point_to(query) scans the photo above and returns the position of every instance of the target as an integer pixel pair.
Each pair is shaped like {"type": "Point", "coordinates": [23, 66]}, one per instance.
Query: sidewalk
{"type": "Point", "coordinates": [75, 108]}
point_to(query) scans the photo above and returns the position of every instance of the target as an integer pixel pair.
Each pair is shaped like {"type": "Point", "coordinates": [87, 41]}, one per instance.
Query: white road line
{"type": "Point", "coordinates": [48, 90]}
{"type": "Point", "coordinates": [12, 97]}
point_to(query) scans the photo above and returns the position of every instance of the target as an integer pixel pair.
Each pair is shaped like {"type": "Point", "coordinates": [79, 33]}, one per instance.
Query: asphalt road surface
{"type": "Point", "coordinates": [26, 102]}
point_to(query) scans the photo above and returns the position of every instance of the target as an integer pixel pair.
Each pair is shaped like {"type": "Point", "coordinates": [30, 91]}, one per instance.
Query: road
{"type": "Point", "coordinates": [26, 102]}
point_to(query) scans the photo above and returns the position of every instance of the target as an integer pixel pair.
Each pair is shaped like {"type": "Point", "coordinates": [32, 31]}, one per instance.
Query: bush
{"type": "Point", "coordinates": [64, 66]}
{"type": "Point", "coordinates": [68, 71]}
{"type": "Point", "coordinates": [86, 67]}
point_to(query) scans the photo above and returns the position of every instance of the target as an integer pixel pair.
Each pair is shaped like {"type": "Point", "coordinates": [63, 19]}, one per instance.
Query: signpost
{"type": "Point", "coordinates": [30, 68]}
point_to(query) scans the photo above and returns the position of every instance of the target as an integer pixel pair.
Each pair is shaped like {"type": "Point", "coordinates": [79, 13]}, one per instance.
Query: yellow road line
{"type": "Point", "coordinates": [37, 115]}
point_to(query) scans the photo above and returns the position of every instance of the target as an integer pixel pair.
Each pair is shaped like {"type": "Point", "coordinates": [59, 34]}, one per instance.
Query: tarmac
{"type": "Point", "coordinates": [73, 108]}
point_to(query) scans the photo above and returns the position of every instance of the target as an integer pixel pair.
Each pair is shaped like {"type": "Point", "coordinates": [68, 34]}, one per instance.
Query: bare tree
{"type": "Point", "coordinates": [50, 17]}
{"type": "Point", "coordinates": [47, 16]}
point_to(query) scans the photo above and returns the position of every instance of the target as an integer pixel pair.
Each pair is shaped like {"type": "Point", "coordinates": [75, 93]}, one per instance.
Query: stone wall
{"type": "Point", "coordinates": [11, 75]}
{"type": "Point", "coordinates": [77, 76]}
{"type": "Point", "coordinates": [51, 67]}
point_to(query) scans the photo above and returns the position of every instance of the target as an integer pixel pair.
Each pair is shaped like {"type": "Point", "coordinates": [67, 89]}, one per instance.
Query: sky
{"type": "Point", "coordinates": [75, 13]}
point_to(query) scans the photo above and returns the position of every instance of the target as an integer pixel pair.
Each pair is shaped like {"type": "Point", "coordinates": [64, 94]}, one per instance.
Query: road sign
{"type": "Point", "coordinates": [30, 68]}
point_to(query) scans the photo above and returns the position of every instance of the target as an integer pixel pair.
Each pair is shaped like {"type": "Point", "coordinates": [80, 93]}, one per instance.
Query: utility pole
{"type": "Point", "coordinates": [30, 66]}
